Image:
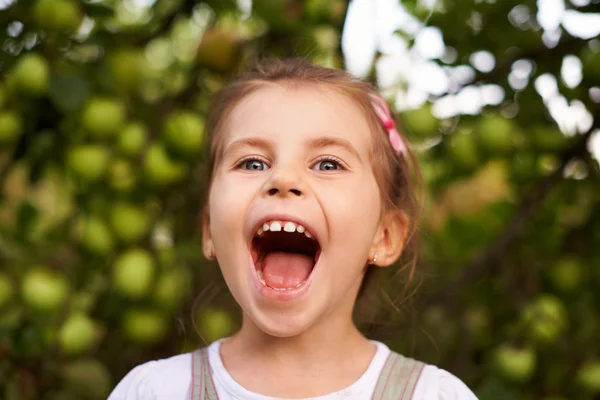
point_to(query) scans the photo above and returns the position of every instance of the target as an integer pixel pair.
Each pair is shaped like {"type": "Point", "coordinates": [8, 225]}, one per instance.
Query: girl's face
{"type": "Point", "coordinates": [302, 156]}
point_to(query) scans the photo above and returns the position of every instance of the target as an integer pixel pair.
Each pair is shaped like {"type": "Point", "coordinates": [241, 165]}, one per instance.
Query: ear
{"type": "Point", "coordinates": [390, 238]}
{"type": "Point", "coordinates": [207, 244]}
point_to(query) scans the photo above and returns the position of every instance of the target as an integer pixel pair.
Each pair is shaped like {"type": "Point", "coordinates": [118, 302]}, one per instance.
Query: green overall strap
{"type": "Point", "coordinates": [203, 386]}
{"type": "Point", "coordinates": [398, 378]}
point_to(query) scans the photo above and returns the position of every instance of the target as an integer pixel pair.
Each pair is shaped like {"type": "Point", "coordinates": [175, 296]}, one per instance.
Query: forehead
{"type": "Point", "coordinates": [298, 113]}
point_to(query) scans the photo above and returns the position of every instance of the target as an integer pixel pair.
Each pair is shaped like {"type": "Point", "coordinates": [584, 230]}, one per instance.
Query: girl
{"type": "Point", "coordinates": [309, 187]}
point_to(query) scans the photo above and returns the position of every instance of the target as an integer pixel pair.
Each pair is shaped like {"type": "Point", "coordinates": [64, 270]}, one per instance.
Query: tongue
{"type": "Point", "coordinates": [286, 270]}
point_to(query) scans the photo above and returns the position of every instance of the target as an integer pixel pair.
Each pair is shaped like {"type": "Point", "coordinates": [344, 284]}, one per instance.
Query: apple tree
{"type": "Point", "coordinates": [102, 177]}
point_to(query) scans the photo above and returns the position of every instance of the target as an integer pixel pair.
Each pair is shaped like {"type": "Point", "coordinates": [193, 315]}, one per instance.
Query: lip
{"type": "Point", "coordinates": [290, 294]}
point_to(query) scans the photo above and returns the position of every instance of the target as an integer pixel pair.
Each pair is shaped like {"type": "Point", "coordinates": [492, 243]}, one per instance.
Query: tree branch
{"type": "Point", "coordinates": [484, 261]}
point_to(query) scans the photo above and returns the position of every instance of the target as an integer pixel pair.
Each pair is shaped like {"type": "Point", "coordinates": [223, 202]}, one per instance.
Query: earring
{"type": "Point", "coordinates": [374, 260]}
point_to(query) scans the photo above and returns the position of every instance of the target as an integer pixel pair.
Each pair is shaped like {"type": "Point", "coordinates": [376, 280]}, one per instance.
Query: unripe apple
{"type": "Point", "coordinates": [183, 132]}
{"type": "Point", "coordinates": [545, 319]}
{"type": "Point", "coordinates": [10, 127]}
{"type": "Point", "coordinates": [133, 273]}
{"type": "Point", "coordinates": [77, 335]}
{"type": "Point", "coordinates": [129, 221]}
{"type": "Point", "coordinates": [89, 162]}
{"type": "Point", "coordinates": [215, 323]}
{"type": "Point", "coordinates": [548, 138]}
{"type": "Point", "coordinates": [171, 287]}
{"type": "Point", "coordinates": [421, 122]}
{"type": "Point", "coordinates": [132, 139]}
{"type": "Point", "coordinates": [566, 275]}
{"type": "Point", "coordinates": [6, 289]}
{"type": "Point", "coordinates": [122, 177]}
{"type": "Point", "coordinates": [463, 151]}
{"type": "Point", "coordinates": [514, 364]}
{"type": "Point", "coordinates": [31, 74]}
{"type": "Point", "coordinates": [496, 134]}
{"type": "Point", "coordinates": [160, 169]}
{"type": "Point", "coordinates": [44, 289]}
{"type": "Point", "coordinates": [62, 16]}
{"type": "Point", "coordinates": [145, 326]}
{"type": "Point", "coordinates": [588, 377]}
{"type": "Point", "coordinates": [95, 236]}
{"type": "Point", "coordinates": [126, 67]}
{"type": "Point", "coordinates": [87, 379]}
{"type": "Point", "coordinates": [219, 49]}
{"type": "Point", "coordinates": [103, 117]}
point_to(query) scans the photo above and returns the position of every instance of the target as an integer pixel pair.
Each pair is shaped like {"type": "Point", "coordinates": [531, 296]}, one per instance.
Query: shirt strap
{"type": "Point", "coordinates": [398, 378]}
{"type": "Point", "coordinates": [203, 386]}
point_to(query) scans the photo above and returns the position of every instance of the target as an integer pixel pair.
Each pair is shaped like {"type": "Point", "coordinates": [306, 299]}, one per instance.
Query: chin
{"type": "Point", "coordinates": [282, 323]}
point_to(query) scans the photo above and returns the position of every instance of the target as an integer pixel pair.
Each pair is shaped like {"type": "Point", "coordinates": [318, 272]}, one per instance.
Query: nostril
{"type": "Point", "coordinates": [273, 191]}
{"type": "Point", "coordinates": [296, 192]}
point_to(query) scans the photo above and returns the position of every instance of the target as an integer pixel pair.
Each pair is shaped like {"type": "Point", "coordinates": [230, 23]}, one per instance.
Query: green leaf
{"type": "Point", "coordinates": [99, 11]}
{"type": "Point", "coordinates": [68, 91]}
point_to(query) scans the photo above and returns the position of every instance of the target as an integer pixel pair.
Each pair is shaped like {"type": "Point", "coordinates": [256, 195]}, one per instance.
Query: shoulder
{"type": "Point", "coordinates": [167, 378]}
{"type": "Point", "coordinates": [437, 384]}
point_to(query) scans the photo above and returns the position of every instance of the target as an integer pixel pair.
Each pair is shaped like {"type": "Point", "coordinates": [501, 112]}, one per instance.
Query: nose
{"type": "Point", "coordinates": [285, 182]}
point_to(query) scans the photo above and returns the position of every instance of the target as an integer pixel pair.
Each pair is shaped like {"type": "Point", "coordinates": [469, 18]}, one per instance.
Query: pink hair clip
{"type": "Point", "coordinates": [383, 112]}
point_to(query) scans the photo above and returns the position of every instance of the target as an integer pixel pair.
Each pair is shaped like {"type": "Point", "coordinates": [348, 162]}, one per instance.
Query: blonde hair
{"type": "Point", "coordinates": [393, 172]}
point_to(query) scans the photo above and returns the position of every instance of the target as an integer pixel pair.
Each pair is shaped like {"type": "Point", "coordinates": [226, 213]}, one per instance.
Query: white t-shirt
{"type": "Point", "coordinates": [170, 379]}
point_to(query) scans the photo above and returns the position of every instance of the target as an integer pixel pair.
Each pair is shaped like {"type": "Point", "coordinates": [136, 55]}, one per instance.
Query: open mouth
{"type": "Point", "coordinates": [284, 254]}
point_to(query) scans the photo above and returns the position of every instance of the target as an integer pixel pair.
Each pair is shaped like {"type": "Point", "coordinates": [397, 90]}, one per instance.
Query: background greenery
{"type": "Point", "coordinates": [101, 183]}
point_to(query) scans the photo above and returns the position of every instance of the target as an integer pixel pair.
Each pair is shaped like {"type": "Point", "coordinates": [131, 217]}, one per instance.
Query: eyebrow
{"type": "Point", "coordinates": [334, 142]}
{"type": "Point", "coordinates": [316, 143]}
{"type": "Point", "coordinates": [250, 142]}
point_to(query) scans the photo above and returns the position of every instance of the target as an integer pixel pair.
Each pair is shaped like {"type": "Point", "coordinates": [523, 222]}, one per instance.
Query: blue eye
{"type": "Point", "coordinates": [253, 164]}
{"type": "Point", "coordinates": [328, 165]}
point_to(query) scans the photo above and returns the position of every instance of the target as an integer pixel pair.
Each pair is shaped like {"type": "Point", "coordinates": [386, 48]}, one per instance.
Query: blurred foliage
{"type": "Point", "coordinates": [102, 176]}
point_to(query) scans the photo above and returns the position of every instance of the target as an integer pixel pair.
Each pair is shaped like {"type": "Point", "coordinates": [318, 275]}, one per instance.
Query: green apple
{"type": "Point", "coordinates": [566, 275]}
{"type": "Point", "coordinates": [548, 138]}
{"type": "Point", "coordinates": [122, 177]}
{"type": "Point", "coordinates": [126, 67]}
{"type": "Point", "coordinates": [88, 379]}
{"type": "Point", "coordinates": [95, 235]}
{"type": "Point", "coordinates": [145, 326]}
{"type": "Point", "coordinates": [171, 286]}
{"type": "Point", "coordinates": [524, 167]}
{"type": "Point", "coordinates": [31, 74]}
{"type": "Point", "coordinates": [496, 134]}
{"type": "Point", "coordinates": [463, 150]}
{"type": "Point", "coordinates": [6, 289]}
{"type": "Point", "coordinates": [77, 334]}
{"type": "Point", "coordinates": [219, 49]}
{"type": "Point", "coordinates": [10, 127]}
{"type": "Point", "coordinates": [130, 222]}
{"type": "Point", "coordinates": [160, 169]}
{"type": "Point", "coordinates": [215, 323]}
{"type": "Point", "coordinates": [545, 319]}
{"type": "Point", "coordinates": [183, 132]}
{"type": "Point", "coordinates": [133, 273]}
{"type": "Point", "coordinates": [62, 16]}
{"type": "Point", "coordinates": [514, 364]}
{"type": "Point", "coordinates": [44, 289]}
{"type": "Point", "coordinates": [421, 122]}
{"type": "Point", "coordinates": [132, 139]}
{"type": "Point", "coordinates": [588, 377]}
{"type": "Point", "coordinates": [89, 162]}
{"type": "Point", "coordinates": [103, 117]}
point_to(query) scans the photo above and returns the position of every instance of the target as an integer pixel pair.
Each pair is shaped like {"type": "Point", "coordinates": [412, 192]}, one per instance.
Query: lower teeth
{"type": "Point", "coordinates": [261, 278]}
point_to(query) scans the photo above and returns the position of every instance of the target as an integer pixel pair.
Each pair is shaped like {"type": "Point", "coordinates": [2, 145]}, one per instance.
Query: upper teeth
{"type": "Point", "coordinates": [275, 226]}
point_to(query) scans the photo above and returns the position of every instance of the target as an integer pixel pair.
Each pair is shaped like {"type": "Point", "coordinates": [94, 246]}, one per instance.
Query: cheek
{"type": "Point", "coordinates": [353, 210]}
